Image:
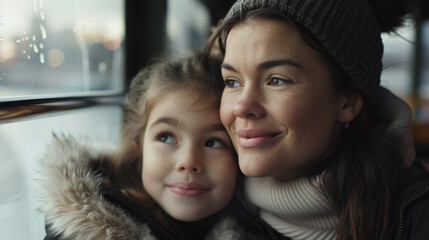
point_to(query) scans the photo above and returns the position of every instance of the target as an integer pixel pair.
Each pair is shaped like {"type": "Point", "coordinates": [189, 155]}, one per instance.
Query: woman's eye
{"type": "Point", "coordinates": [229, 83]}
{"type": "Point", "coordinates": [275, 81]}
{"type": "Point", "coordinates": [215, 143]}
{"type": "Point", "coordinates": [166, 138]}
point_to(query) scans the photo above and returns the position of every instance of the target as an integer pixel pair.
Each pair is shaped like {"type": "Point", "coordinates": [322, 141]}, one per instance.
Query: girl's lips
{"type": "Point", "coordinates": [252, 138]}
{"type": "Point", "coordinates": [188, 189]}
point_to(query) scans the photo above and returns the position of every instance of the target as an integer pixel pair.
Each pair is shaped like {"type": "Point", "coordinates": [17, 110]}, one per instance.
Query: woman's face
{"type": "Point", "coordinates": [279, 105]}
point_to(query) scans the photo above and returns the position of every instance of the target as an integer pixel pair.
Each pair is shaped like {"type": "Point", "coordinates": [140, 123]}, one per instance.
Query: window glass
{"type": "Point", "coordinates": [425, 57]}
{"type": "Point", "coordinates": [423, 91]}
{"type": "Point", "coordinates": [186, 32]}
{"type": "Point", "coordinates": [23, 144]}
{"type": "Point", "coordinates": [398, 60]}
{"type": "Point", "coordinates": [51, 48]}
{"type": "Point", "coordinates": [402, 74]}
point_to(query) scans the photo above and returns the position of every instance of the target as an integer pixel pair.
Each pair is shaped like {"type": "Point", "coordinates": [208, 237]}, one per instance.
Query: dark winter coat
{"type": "Point", "coordinates": [409, 216]}
{"type": "Point", "coordinates": [77, 206]}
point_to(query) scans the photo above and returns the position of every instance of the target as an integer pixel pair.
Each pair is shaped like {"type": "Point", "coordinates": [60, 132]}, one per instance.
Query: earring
{"type": "Point", "coordinates": [133, 146]}
{"type": "Point", "coordinates": [347, 125]}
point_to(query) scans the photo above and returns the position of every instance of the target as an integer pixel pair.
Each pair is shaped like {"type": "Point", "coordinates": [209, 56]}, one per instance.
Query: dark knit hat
{"type": "Point", "coordinates": [347, 29]}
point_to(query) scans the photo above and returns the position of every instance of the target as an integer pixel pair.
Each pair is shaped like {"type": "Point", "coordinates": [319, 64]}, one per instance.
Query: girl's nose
{"type": "Point", "coordinates": [190, 162]}
{"type": "Point", "coordinates": [248, 105]}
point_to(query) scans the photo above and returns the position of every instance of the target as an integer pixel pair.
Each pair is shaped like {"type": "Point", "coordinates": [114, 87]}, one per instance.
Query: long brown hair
{"type": "Point", "coordinates": [364, 168]}
{"type": "Point", "coordinates": [124, 169]}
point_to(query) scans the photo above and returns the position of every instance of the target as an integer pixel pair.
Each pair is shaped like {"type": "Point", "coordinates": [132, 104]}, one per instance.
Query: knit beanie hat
{"type": "Point", "coordinates": [347, 29]}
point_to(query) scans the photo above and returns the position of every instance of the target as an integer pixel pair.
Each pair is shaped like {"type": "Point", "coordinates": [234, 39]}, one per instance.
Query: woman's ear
{"type": "Point", "coordinates": [133, 146]}
{"type": "Point", "coordinates": [351, 104]}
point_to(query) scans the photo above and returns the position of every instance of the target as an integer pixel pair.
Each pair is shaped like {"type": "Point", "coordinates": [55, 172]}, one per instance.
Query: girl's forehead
{"type": "Point", "coordinates": [184, 109]}
{"type": "Point", "coordinates": [186, 98]}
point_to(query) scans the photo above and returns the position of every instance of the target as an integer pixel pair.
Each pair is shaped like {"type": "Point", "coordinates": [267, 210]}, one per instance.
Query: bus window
{"type": "Point", "coordinates": [52, 49]}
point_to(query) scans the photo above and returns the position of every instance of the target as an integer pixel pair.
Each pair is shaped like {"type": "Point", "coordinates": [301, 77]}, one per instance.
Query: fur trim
{"type": "Point", "coordinates": [71, 196]}
{"type": "Point", "coordinates": [74, 207]}
{"type": "Point", "coordinates": [227, 229]}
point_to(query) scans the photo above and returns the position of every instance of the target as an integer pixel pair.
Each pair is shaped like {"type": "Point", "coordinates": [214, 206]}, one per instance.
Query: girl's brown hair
{"type": "Point", "coordinates": [362, 172]}
{"type": "Point", "coordinates": [124, 169]}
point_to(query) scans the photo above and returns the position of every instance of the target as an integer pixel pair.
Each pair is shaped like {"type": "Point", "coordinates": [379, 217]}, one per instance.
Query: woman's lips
{"type": "Point", "coordinates": [188, 189]}
{"type": "Point", "coordinates": [251, 138]}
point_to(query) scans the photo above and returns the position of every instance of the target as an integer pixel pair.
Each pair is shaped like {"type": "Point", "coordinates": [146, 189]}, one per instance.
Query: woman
{"type": "Point", "coordinates": [301, 105]}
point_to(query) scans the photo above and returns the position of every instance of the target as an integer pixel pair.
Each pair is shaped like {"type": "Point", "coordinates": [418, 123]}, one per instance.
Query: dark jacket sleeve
{"type": "Point", "coordinates": [420, 215]}
{"type": "Point", "coordinates": [417, 224]}
{"type": "Point", "coordinates": [413, 212]}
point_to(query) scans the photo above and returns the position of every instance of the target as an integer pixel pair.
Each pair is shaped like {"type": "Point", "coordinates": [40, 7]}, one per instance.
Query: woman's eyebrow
{"type": "Point", "coordinates": [228, 67]}
{"type": "Point", "coordinates": [268, 64]}
{"type": "Point", "coordinates": [278, 62]}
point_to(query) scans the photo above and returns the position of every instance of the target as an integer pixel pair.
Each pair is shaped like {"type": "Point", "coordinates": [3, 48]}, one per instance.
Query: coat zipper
{"type": "Point", "coordinates": [404, 207]}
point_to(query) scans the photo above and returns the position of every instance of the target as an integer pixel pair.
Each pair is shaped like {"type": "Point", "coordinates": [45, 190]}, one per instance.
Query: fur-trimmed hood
{"type": "Point", "coordinates": [72, 201]}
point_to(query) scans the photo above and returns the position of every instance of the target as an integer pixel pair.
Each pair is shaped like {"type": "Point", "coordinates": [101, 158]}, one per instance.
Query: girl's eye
{"type": "Point", "coordinates": [166, 138]}
{"type": "Point", "coordinates": [275, 81]}
{"type": "Point", "coordinates": [230, 83]}
{"type": "Point", "coordinates": [215, 143]}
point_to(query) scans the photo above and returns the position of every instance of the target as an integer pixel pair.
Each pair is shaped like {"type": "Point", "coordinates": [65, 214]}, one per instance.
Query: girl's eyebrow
{"type": "Point", "coordinates": [215, 127]}
{"type": "Point", "coordinates": [268, 64]}
{"type": "Point", "coordinates": [167, 120]}
{"type": "Point", "coordinates": [175, 123]}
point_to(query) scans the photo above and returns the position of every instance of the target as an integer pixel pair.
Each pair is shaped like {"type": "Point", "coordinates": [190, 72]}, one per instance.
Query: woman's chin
{"type": "Point", "coordinates": [251, 170]}
{"type": "Point", "coordinates": [256, 165]}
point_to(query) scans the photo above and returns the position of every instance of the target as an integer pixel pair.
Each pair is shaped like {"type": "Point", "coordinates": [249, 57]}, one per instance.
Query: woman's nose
{"type": "Point", "coordinates": [248, 105]}
{"type": "Point", "coordinates": [190, 161]}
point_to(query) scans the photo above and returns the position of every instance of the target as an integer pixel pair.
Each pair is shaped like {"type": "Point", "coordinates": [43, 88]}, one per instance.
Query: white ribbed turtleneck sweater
{"type": "Point", "coordinates": [294, 208]}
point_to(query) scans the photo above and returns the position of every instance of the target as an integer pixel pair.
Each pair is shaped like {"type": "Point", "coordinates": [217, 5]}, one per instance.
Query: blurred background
{"type": "Point", "coordinates": [64, 66]}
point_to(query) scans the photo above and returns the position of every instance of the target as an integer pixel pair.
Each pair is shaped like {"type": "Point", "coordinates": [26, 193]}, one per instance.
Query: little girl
{"type": "Point", "coordinates": [172, 175]}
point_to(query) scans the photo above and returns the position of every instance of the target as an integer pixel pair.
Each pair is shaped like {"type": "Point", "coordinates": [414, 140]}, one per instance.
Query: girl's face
{"type": "Point", "coordinates": [188, 163]}
{"type": "Point", "coordinates": [279, 105]}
